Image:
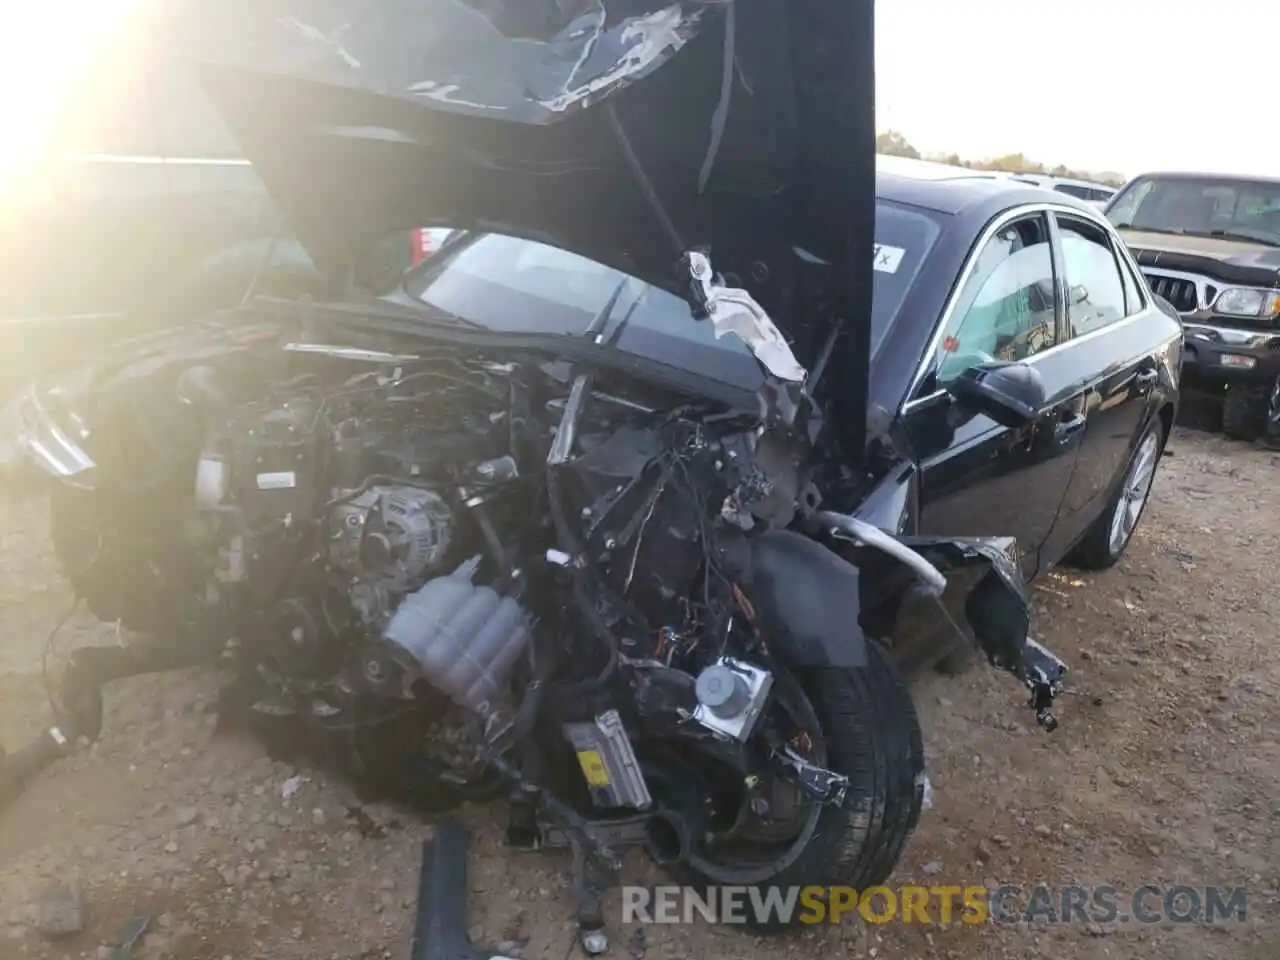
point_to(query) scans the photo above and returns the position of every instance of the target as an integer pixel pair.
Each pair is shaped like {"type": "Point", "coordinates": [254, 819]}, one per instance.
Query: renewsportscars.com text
{"type": "Point", "coordinates": [1149, 904]}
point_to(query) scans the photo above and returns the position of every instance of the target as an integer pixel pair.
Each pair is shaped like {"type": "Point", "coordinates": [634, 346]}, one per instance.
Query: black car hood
{"type": "Point", "coordinates": [1232, 261]}
{"type": "Point", "coordinates": [630, 131]}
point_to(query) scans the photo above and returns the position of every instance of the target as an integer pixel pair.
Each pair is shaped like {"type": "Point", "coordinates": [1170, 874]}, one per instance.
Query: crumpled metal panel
{"type": "Point", "coordinates": [540, 58]}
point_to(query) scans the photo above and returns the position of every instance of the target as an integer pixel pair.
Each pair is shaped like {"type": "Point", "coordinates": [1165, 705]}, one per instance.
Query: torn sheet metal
{"type": "Point", "coordinates": [734, 310]}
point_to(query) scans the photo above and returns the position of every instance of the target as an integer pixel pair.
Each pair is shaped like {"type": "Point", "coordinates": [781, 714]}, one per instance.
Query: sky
{"type": "Point", "coordinates": [1123, 85]}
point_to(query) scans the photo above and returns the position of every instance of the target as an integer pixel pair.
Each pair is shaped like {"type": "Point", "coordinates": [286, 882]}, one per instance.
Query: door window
{"type": "Point", "coordinates": [1095, 286]}
{"type": "Point", "coordinates": [1005, 311]}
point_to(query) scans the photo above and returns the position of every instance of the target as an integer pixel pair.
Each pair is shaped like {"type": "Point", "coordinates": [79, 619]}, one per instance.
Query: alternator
{"type": "Point", "coordinates": [396, 535]}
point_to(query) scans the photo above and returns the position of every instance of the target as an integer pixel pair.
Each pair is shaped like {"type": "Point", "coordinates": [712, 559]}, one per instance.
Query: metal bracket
{"type": "Point", "coordinates": [1043, 674]}
{"type": "Point", "coordinates": [823, 785]}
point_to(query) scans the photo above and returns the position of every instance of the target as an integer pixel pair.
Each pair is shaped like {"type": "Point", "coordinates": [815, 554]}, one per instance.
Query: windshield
{"type": "Point", "coordinates": [522, 286]}
{"type": "Point", "coordinates": [1209, 207]}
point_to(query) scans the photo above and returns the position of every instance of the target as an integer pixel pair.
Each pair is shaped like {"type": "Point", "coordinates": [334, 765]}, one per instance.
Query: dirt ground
{"type": "Point", "coordinates": [1166, 770]}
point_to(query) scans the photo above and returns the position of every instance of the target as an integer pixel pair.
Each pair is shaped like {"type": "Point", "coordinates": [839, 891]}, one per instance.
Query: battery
{"type": "Point", "coordinates": [608, 762]}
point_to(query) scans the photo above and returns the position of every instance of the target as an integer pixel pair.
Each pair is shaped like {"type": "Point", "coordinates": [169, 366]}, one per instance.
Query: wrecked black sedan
{"type": "Point", "coordinates": [636, 498]}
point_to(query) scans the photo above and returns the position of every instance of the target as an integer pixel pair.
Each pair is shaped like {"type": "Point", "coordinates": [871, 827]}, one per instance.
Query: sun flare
{"type": "Point", "coordinates": [53, 51]}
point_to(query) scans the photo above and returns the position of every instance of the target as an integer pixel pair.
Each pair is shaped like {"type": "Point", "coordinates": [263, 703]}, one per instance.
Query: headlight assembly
{"type": "Point", "coordinates": [1247, 302]}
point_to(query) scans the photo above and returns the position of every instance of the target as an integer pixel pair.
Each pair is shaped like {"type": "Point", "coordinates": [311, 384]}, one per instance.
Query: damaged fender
{"type": "Point", "coordinates": [808, 601]}
{"type": "Point", "coordinates": [810, 598]}
{"type": "Point", "coordinates": [976, 586]}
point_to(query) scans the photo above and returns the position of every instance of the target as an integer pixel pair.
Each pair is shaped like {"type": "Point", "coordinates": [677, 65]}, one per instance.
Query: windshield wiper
{"type": "Point", "coordinates": [616, 335]}
{"type": "Point", "coordinates": [1171, 231]}
{"type": "Point", "coordinates": [1246, 237]}
{"type": "Point", "coordinates": [566, 432]}
{"type": "Point", "coordinates": [595, 329]}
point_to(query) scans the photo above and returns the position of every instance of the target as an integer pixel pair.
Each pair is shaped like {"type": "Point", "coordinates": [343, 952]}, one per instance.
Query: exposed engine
{"type": "Point", "coordinates": [481, 527]}
{"type": "Point", "coordinates": [461, 574]}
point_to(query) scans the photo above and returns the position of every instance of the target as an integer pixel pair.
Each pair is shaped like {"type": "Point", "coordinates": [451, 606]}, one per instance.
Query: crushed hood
{"type": "Point", "coordinates": [630, 131]}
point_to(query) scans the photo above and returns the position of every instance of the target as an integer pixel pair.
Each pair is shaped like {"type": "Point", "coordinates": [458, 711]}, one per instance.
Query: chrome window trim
{"type": "Point", "coordinates": [1036, 358]}
{"type": "Point", "coordinates": [966, 272]}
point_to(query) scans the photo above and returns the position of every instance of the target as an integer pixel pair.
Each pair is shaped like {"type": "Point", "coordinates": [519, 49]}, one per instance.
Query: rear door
{"type": "Point", "coordinates": [1116, 356]}
{"type": "Point", "coordinates": [979, 478]}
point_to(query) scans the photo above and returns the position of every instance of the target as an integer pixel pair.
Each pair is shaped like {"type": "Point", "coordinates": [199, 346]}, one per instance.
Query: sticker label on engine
{"type": "Point", "coordinates": [285, 480]}
{"type": "Point", "coordinates": [593, 768]}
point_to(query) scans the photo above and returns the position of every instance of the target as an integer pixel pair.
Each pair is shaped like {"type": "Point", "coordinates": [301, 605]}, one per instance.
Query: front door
{"type": "Point", "coordinates": [980, 478]}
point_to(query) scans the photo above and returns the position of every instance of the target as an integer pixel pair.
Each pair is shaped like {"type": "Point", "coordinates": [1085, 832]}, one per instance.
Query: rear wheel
{"type": "Point", "coordinates": [1109, 537]}
{"type": "Point", "coordinates": [871, 735]}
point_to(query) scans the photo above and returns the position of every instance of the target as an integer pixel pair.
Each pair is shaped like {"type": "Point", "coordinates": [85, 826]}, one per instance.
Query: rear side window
{"type": "Point", "coordinates": [1096, 295]}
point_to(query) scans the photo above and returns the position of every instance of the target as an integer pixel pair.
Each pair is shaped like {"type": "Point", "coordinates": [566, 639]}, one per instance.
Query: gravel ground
{"type": "Point", "coordinates": [1165, 770]}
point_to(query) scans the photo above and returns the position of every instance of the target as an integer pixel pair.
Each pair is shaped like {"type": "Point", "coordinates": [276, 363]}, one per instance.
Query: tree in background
{"type": "Point", "coordinates": [894, 144]}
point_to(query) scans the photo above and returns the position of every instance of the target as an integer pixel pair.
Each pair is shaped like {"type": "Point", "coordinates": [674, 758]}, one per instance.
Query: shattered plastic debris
{"type": "Point", "coordinates": [291, 786]}
{"type": "Point", "coordinates": [733, 310]}
{"type": "Point", "coordinates": [926, 803]}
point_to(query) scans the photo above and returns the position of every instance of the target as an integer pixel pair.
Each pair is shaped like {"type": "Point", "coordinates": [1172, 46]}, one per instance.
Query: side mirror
{"type": "Point", "coordinates": [1011, 394]}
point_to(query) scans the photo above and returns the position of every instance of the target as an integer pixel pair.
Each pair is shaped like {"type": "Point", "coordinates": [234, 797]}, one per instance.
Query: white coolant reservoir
{"type": "Point", "coordinates": [463, 637]}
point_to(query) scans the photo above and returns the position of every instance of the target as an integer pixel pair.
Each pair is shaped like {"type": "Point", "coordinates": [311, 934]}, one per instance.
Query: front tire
{"type": "Point", "coordinates": [1109, 536]}
{"type": "Point", "coordinates": [873, 737]}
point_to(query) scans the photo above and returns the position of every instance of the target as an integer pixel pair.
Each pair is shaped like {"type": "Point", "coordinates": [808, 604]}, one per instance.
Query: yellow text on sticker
{"type": "Point", "coordinates": [593, 768]}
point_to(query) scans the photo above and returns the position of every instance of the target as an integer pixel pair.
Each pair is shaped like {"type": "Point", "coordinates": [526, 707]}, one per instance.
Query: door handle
{"type": "Point", "coordinates": [1146, 379]}
{"type": "Point", "coordinates": [1068, 427]}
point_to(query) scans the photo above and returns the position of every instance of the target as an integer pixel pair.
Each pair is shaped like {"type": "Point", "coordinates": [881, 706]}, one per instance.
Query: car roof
{"type": "Point", "coordinates": [1045, 179]}
{"type": "Point", "coordinates": [963, 189]}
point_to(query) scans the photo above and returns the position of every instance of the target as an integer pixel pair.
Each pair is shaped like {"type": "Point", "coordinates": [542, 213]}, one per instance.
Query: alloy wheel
{"type": "Point", "coordinates": [1134, 492]}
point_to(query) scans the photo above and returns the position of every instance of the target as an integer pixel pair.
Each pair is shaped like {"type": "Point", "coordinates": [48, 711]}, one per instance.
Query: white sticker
{"type": "Point", "coordinates": [887, 259]}
{"type": "Point", "coordinates": [286, 480]}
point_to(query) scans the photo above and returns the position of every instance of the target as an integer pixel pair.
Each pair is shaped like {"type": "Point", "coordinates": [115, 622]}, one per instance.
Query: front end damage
{"type": "Point", "coordinates": [470, 562]}
{"type": "Point", "coordinates": [635, 491]}
{"type": "Point", "coordinates": [807, 590]}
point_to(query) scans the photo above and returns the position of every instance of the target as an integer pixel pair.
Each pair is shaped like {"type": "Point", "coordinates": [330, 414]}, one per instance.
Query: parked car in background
{"type": "Point", "coordinates": [143, 213]}
{"type": "Point", "coordinates": [1095, 194]}
{"type": "Point", "coordinates": [1210, 245]}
